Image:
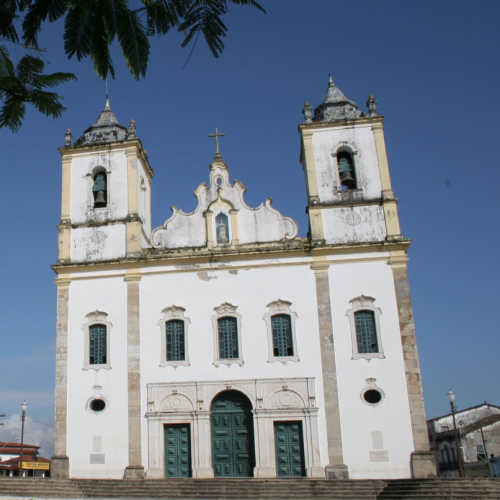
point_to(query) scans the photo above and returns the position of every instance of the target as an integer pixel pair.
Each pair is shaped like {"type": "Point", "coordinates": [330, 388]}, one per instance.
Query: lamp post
{"type": "Point", "coordinates": [24, 407]}
{"type": "Point", "coordinates": [451, 399]}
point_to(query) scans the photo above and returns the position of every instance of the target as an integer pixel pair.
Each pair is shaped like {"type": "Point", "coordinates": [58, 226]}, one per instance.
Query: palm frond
{"type": "Point", "coordinates": [205, 16]}
{"type": "Point", "coordinates": [78, 32]}
{"type": "Point", "coordinates": [12, 112]}
{"type": "Point", "coordinates": [104, 33]}
{"type": "Point", "coordinates": [134, 43]}
{"type": "Point", "coordinates": [37, 14]}
{"type": "Point", "coordinates": [253, 3]}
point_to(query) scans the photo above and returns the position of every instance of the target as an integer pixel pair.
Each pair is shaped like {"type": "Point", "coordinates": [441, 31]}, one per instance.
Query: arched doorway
{"type": "Point", "coordinates": [232, 435]}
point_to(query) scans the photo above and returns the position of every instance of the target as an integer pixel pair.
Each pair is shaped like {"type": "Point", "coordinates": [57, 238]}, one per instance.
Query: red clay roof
{"type": "Point", "coordinates": [15, 448]}
{"type": "Point", "coordinates": [7, 464]}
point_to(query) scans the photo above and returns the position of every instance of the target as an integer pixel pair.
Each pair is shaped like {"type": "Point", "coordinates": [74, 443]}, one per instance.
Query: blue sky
{"type": "Point", "coordinates": [432, 66]}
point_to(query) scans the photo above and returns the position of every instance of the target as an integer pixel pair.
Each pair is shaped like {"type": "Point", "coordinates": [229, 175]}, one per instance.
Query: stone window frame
{"type": "Point", "coordinates": [90, 183]}
{"type": "Point", "coordinates": [365, 303]}
{"type": "Point", "coordinates": [372, 386]}
{"type": "Point", "coordinates": [96, 318]}
{"type": "Point", "coordinates": [226, 207]}
{"type": "Point", "coordinates": [223, 311]}
{"type": "Point", "coordinates": [346, 147]}
{"type": "Point", "coordinates": [174, 312]}
{"type": "Point", "coordinates": [280, 307]}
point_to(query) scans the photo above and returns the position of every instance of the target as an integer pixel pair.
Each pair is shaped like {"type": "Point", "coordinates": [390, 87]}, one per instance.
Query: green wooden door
{"type": "Point", "coordinates": [289, 449]}
{"type": "Point", "coordinates": [177, 450]}
{"type": "Point", "coordinates": [232, 435]}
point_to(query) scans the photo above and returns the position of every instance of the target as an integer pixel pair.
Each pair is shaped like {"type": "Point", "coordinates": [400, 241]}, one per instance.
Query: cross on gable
{"type": "Point", "coordinates": [217, 135]}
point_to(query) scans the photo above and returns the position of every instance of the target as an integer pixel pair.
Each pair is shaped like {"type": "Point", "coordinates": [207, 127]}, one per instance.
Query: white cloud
{"type": "Point", "coordinates": [34, 433]}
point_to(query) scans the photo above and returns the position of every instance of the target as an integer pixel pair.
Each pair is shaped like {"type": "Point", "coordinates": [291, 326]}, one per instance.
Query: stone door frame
{"type": "Point", "coordinates": [273, 400]}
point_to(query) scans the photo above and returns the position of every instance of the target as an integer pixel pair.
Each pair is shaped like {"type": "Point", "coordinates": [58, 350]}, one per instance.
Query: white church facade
{"type": "Point", "coordinates": [222, 344]}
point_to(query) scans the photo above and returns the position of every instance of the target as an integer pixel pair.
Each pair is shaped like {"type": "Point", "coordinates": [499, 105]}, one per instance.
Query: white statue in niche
{"type": "Point", "coordinates": [221, 225]}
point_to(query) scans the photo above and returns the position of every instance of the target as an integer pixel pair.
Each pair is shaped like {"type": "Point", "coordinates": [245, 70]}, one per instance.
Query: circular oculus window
{"type": "Point", "coordinates": [372, 396]}
{"type": "Point", "coordinates": [97, 405]}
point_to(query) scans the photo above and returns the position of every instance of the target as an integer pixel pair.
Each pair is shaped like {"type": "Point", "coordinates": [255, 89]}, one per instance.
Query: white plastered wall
{"type": "Point", "coordinates": [82, 165]}
{"type": "Point", "coordinates": [385, 454]}
{"type": "Point", "coordinates": [90, 244]}
{"type": "Point", "coordinates": [107, 295]}
{"type": "Point", "coordinates": [326, 141]}
{"type": "Point", "coordinates": [250, 290]}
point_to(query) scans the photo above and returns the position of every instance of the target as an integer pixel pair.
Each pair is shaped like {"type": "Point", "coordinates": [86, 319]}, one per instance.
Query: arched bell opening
{"type": "Point", "coordinates": [100, 189]}
{"type": "Point", "coordinates": [233, 446]}
{"type": "Point", "coordinates": [347, 172]}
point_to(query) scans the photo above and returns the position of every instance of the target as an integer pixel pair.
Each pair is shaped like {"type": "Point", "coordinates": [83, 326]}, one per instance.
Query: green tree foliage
{"type": "Point", "coordinates": [90, 27]}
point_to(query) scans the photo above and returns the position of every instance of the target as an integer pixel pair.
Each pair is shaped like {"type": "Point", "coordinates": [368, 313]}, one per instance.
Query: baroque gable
{"type": "Point", "coordinates": [222, 218]}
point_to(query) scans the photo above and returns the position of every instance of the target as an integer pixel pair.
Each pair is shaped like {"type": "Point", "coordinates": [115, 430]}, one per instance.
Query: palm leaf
{"type": "Point", "coordinates": [6, 65]}
{"type": "Point", "coordinates": [134, 43]}
{"type": "Point", "coordinates": [12, 113]}
{"type": "Point", "coordinates": [253, 3]}
{"type": "Point", "coordinates": [47, 103]}
{"type": "Point", "coordinates": [7, 17]}
{"type": "Point", "coordinates": [78, 32]}
{"type": "Point", "coordinates": [104, 33]}
{"type": "Point", "coordinates": [37, 13]}
{"type": "Point", "coordinates": [205, 17]}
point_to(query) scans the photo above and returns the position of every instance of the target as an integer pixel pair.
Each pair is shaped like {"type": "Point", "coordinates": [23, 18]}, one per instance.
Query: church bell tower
{"type": "Point", "coordinates": [106, 193]}
{"type": "Point", "coordinates": [350, 197]}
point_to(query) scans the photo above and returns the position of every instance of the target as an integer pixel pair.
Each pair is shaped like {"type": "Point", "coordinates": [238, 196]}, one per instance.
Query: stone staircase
{"type": "Point", "coordinates": [247, 489]}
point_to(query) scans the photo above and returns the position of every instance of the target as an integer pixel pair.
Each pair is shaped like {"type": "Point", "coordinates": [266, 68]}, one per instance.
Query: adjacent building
{"type": "Point", "coordinates": [33, 465]}
{"type": "Point", "coordinates": [222, 344]}
{"type": "Point", "coordinates": [479, 441]}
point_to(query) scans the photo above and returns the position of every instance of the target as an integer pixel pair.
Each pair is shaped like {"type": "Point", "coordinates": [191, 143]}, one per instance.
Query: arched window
{"type": "Point", "coordinates": [228, 338]}
{"type": "Point", "coordinates": [176, 350]}
{"type": "Point", "coordinates": [347, 172]}
{"type": "Point", "coordinates": [366, 333]}
{"type": "Point", "coordinates": [222, 229]}
{"type": "Point", "coordinates": [100, 190]}
{"type": "Point", "coordinates": [97, 345]}
{"type": "Point", "coordinates": [282, 335]}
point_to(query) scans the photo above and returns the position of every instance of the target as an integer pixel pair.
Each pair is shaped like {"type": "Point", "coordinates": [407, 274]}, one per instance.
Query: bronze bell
{"type": "Point", "coordinates": [100, 200]}
{"type": "Point", "coordinates": [347, 180]}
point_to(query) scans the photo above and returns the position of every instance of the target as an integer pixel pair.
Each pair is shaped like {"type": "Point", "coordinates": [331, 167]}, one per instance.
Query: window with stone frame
{"type": "Point", "coordinates": [281, 325]}
{"type": "Point", "coordinates": [364, 320]}
{"type": "Point", "coordinates": [174, 327]}
{"type": "Point", "coordinates": [227, 335]}
{"type": "Point", "coordinates": [96, 332]}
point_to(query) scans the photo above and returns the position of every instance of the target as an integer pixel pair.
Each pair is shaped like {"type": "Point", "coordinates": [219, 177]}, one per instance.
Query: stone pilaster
{"type": "Point", "coordinates": [336, 469]}
{"type": "Point", "coordinates": [60, 460]}
{"type": "Point", "coordinates": [422, 459]}
{"type": "Point", "coordinates": [135, 469]}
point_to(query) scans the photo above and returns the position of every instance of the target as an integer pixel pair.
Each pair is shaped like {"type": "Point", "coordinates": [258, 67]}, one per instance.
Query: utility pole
{"type": "Point", "coordinates": [485, 452]}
